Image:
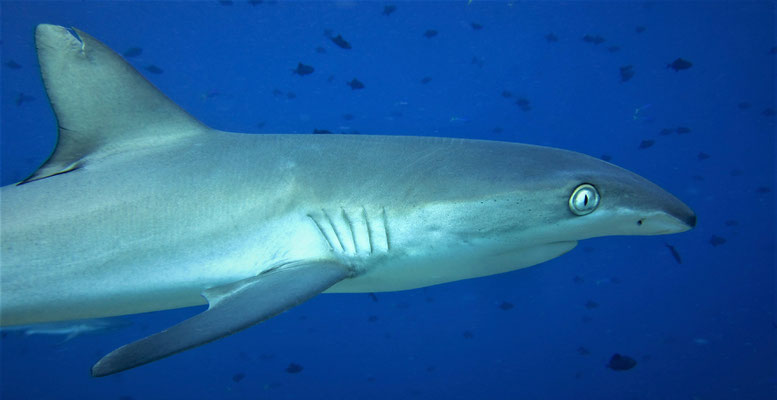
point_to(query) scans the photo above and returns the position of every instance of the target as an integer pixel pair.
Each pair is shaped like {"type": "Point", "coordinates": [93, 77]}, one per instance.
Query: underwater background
{"type": "Point", "coordinates": [682, 93]}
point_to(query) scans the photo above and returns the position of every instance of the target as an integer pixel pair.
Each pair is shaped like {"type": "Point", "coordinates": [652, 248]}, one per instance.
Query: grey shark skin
{"type": "Point", "coordinates": [141, 208]}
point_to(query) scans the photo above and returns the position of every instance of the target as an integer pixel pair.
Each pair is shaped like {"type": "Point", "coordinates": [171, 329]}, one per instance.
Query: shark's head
{"type": "Point", "coordinates": [538, 195]}
{"type": "Point", "coordinates": [518, 205]}
{"type": "Point", "coordinates": [575, 197]}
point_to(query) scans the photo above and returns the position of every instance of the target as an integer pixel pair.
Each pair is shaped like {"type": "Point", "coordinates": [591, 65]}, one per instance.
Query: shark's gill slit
{"type": "Point", "coordinates": [386, 229]}
{"type": "Point", "coordinates": [324, 235]}
{"type": "Point", "coordinates": [334, 229]}
{"type": "Point", "coordinates": [353, 232]}
{"type": "Point", "coordinates": [369, 228]}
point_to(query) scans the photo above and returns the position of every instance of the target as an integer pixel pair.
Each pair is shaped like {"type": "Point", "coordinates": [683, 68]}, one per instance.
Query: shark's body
{"type": "Point", "coordinates": [143, 208]}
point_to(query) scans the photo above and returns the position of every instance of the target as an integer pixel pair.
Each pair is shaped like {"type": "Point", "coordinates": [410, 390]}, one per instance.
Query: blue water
{"type": "Point", "coordinates": [702, 329]}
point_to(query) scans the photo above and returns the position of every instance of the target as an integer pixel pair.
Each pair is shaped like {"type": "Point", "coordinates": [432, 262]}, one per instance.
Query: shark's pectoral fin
{"type": "Point", "coordinates": [233, 307]}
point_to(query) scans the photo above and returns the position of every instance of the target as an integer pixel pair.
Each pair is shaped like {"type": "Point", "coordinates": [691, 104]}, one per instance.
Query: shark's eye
{"type": "Point", "coordinates": [584, 199]}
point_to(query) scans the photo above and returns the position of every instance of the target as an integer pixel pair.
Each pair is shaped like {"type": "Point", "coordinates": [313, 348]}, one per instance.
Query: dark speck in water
{"type": "Point", "coordinates": [621, 363]}
{"type": "Point", "coordinates": [154, 69]}
{"type": "Point", "coordinates": [133, 52]}
{"type": "Point", "coordinates": [716, 240]}
{"type": "Point", "coordinates": [294, 368]}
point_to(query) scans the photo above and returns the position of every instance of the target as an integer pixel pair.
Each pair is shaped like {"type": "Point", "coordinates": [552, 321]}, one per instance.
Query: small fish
{"type": "Point", "coordinates": [340, 42]}
{"type": "Point", "coordinates": [12, 64]}
{"type": "Point", "coordinates": [303, 69]}
{"type": "Point", "coordinates": [702, 156]}
{"type": "Point", "coordinates": [507, 94]}
{"type": "Point", "coordinates": [595, 39]}
{"type": "Point", "coordinates": [524, 104]}
{"type": "Point", "coordinates": [506, 305]}
{"type": "Point", "coordinates": [294, 368]}
{"type": "Point", "coordinates": [606, 157]}
{"type": "Point", "coordinates": [374, 297]}
{"type": "Point", "coordinates": [468, 335]}
{"type": "Point", "coordinates": [321, 131]}
{"type": "Point", "coordinates": [23, 98]}
{"type": "Point", "coordinates": [763, 190]}
{"type": "Point", "coordinates": [497, 130]}
{"type": "Point", "coordinates": [255, 2]}
{"type": "Point", "coordinates": [320, 50]}
{"type": "Point", "coordinates": [355, 84]}
{"type": "Point", "coordinates": [666, 131]}
{"type": "Point", "coordinates": [238, 377]}
{"type": "Point", "coordinates": [716, 240]}
{"type": "Point", "coordinates": [476, 26]}
{"type": "Point", "coordinates": [674, 252]}
{"type": "Point", "coordinates": [291, 95]}
{"type": "Point", "coordinates": [768, 112]}
{"type": "Point", "coordinates": [133, 52]}
{"type": "Point", "coordinates": [590, 304]}
{"type": "Point", "coordinates": [389, 9]}
{"type": "Point", "coordinates": [679, 64]}
{"type": "Point", "coordinates": [348, 117]}
{"type": "Point", "coordinates": [578, 279]}
{"type": "Point", "coordinates": [430, 33]}
{"type": "Point", "coordinates": [426, 80]}
{"type": "Point", "coordinates": [627, 72]}
{"type": "Point", "coordinates": [621, 363]}
{"type": "Point", "coordinates": [551, 37]}
{"type": "Point", "coordinates": [682, 130]}
{"type": "Point", "coordinates": [583, 351]}
{"type": "Point", "coordinates": [639, 29]}
{"type": "Point", "coordinates": [646, 143]}
{"type": "Point", "coordinates": [732, 222]}
{"type": "Point", "coordinates": [154, 69]}
{"type": "Point", "coordinates": [372, 318]}
{"type": "Point", "coordinates": [614, 49]}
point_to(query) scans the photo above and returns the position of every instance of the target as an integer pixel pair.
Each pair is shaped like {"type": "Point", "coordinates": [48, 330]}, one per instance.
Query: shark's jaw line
{"type": "Point", "coordinates": [141, 207]}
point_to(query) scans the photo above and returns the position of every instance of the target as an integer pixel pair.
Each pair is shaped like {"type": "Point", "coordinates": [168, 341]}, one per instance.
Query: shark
{"type": "Point", "coordinates": [71, 329]}
{"type": "Point", "coordinates": [140, 207]}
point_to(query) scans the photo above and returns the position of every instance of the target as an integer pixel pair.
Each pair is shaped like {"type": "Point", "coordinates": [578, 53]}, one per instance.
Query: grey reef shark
{"type": "Point", "coordinates": [141, 207]}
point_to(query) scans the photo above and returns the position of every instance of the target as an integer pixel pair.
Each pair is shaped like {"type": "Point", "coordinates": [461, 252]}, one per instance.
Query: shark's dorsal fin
{"type": "Point", "coordinates": [102, 104]}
